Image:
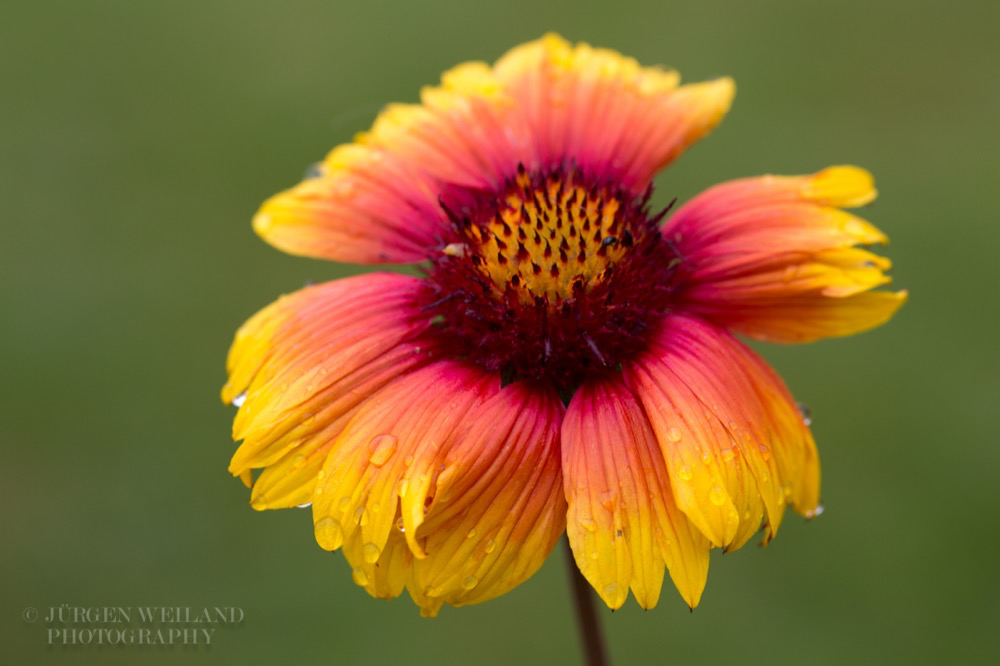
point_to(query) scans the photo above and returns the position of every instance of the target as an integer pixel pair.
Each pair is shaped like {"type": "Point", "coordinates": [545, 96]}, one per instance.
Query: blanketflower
{"type": "Point", "coordinates": [567, 361]}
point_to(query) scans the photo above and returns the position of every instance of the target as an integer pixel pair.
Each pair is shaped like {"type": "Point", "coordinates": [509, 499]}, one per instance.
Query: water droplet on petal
{"type": "Point", "coordinates": [239, 400]}
{"type": "Point", "coordinates": [321, 474]}
{"type": "Point", "coordinates": [818, 511]}
{"type": "Point", "coordinates": [717, 496]}
{"type": "Point", "coordinates": [674, 435]}
{"type": "Point", "coordinates": [706, 458]}
{"type": "Point", "coordinates": [472, 533]}
{"type": "Point", "coordinates": [299, 461]}
{"type": "Point", "coordinates": [727, 455]}
{"type": "Point", "coordinates": [490, 546]}
{"type": "Point", "coordinates": [359, 576]}
{"type": "Point", "coordinates": [382, 448]}
{"type": "Point", "coordinates": [804, 411]}
{"type": "Point", "coordinates": [344, 503]}
{"type": "Point", "coordinates": [313, 171]}
{"type": "Point", "coordinates": [402, 486]}
{"type": "Point", "coordinates": [684, 472]}
{"type": "Point", "coordinates": [361, 516]}
{"type": "Point", "coordinates": [765, 452]}
{"type": "Point", "coordinates": [611, 590]}
{"type": "Point", "coordinates": [305, 506]}
{"type": "Point", "coordinates": [470, 582]}
{"type": "Point", "coordinates": [370, 553]}
{"type": "Point", "coordinates": [329, 535]}
{"type": "Point", "coordinates": [587, 524]}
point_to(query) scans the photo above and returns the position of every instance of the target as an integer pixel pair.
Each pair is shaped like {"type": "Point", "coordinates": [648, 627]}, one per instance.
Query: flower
{"type": "Point", "coordinates": [567, 361]}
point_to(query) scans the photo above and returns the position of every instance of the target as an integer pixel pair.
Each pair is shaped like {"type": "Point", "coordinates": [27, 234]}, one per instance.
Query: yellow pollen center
{"type": "Point", "coordinates": [549, 238]}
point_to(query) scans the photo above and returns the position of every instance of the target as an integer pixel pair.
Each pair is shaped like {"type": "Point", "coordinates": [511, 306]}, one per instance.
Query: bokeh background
{"type": "Point", "coordinates": [137, 139]}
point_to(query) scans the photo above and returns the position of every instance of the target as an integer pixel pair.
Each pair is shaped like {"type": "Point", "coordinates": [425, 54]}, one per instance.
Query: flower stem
{"type": "Point", "coordinates": [591, 634]}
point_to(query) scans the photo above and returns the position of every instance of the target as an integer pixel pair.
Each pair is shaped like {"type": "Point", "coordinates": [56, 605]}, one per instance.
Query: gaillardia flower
{"type": "Point", "coordinates": [567, 361]}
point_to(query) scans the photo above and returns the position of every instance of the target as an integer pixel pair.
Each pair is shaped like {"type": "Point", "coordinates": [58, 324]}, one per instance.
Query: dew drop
{"type": "Point", "coordinates": [239, 400]}
{"type": "Point", "coordinates": [684, 472]}
{"type": "Point", "coordinates": [361, 516]}
{"type": "Point", "coordinates": [470, 582]}
{"type": "Point", "coordinates": [472, 533]}
{"type": "Point", "coordinates": [706, 458]}
{"type": "Point", "coordinates": [593, 555]}
{"type": "Point", "coordinates": [818, 511]}
{"type": "Point", "coordinates": [728, 455]}
{"type": "Point", "coordinates": [329, 535]}
{"type": "Point", "coordinates": [587, 524]}
{"type": "Point", "coordinates": [611, 590]}
{"type": "Point", "coordinates": [674, 435]}
{"type": "Point", "coordinates": [319, 490]}
{"type": "Point", "coordinates": [803, 410]}
{"type": "Point", "coordinates": [344, 503]}
{"type": "Point", "coordinates": [359, 576]}
{"type": "Point", "coordinates": [382, 448]}
{"type": "Point", "coordinates": [304, 506]}
{"type": "Point", "coordinates": [370, 553]}
{"type": "Point", "coordinates": [299, 461]}
{"type": "Point", "coordinates": [376, 507]}
{"type": "Point", "coordinates": [321, 474]}
{"type": "Point", "coordinates": [717, 496]}
{"type": "Point", "coordinates": [402, 486]}
{"type": "Point", "coordinates": [313, 171]}
{"type": "Point", "coordinates": [490, 546]}
{"type": "Point", "coordinates": [764, 452]}
{"type": "Point", "coordinates": [408, 461]}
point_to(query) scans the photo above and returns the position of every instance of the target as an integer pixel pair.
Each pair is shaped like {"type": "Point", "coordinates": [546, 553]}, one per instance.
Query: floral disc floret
{"type": "Point", "coordinates": [556, 275]}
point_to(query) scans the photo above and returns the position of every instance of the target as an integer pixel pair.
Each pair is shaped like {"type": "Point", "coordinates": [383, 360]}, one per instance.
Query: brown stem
{"type": "Point", "coordinates": [594, 647]}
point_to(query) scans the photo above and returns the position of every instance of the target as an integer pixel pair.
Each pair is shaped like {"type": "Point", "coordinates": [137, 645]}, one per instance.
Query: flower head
{"type": "Point", "coordinates": [567, 361]}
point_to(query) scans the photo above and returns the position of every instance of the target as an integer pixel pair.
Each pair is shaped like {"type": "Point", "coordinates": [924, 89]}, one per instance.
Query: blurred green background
{"type": "Point", "coordinates": [137, 138]}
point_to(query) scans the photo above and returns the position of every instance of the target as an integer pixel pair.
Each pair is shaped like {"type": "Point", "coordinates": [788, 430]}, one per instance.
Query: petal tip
{"type": "Point", "coordinates": [845, 186]}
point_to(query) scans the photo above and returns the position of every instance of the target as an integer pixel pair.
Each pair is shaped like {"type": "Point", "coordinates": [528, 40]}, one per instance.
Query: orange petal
{"type": "Point", "coordinates": [730, 433]}
{"type": "Point", "coordinates": [363, 207]}
{"type": "Point", "coordinates": [604, 111]}
{"type": "Point", "coordinates": [460, 503]}
{"type": "Point", "coordinates": [775, 258]}
{"type": "Point", "coordinates": [365, 480]}
{"type": "Point", "coordinates": [300, 366]}
{"type": "Point", "coordinates": [544, 103]}
{"type": "Point", "coordinates": [623, 523]}
{"type": "Point", "coordinates": [497, 508]}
